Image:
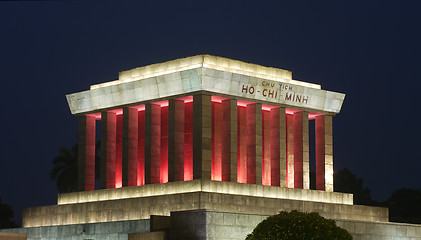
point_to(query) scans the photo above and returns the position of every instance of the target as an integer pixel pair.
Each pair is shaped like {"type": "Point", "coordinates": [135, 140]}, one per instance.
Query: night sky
{"type": "Point", "coordinates": [369, 50]}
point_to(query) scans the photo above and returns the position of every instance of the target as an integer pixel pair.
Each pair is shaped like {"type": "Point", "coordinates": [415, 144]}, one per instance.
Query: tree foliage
{"type": "Point", "coordinates": [65, 169]}
{"type": "Point", "coordinates": [347, 182]}
{"type": "Point", "coordinates": [405, 206]}
{"type": "Point", "coordinates": [296, 225]}
{"type": "Point", "coordinates": [6, 213]}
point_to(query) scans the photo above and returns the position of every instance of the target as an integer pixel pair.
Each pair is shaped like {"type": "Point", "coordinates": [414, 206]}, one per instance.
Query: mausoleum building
{"type": "Point", "coordinates": [203, 147]}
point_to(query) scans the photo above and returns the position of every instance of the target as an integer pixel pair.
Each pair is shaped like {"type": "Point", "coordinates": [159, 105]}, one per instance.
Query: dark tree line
{"type": "Point", "coordinates": [404, 204]}
{"type": "Point", "coordinates": [6, 214]}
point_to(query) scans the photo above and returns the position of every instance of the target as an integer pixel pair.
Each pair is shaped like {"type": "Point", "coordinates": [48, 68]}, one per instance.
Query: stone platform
{"type": "Point", "coordinates": [135, 203]}
{"type": "Point", "coordinates": [203, 224]}
{"type": "Point", "coordinates": [197, 209]}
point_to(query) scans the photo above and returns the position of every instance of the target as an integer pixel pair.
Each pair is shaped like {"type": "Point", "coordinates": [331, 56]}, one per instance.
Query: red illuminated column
{"type": "Point", "coordinates": [290, 151]}
{"type": "Point", "coordinates": [176, 140]}
{"type": "Point", "coordinates": [221, 140]}
{"type": "Point", "coordinates": [266, 133]}
{"type": "Point", "coordinates": [301, 150]}
{"type": "Point", "coordinates": [86, 154]}
{"type": "Point", "coordinates": [108, 149]}
{"type": "Point", "coordinates": [130, 146]}
{"type": "Point", "coordinates": [218, 126]}
{"type": "Point", "coordinates": [242, 144]}
{"type": "Point", "coordinates": [282, 148]}
{"type": "Point", "coordinates": [163, 174]}
{"type": "Point", "coordinates": [271, 147]}
{"type": "Point", "coordinates": [141, 149]}
{"type": "Point", "coordinates": [324, 153]}
{"type": "Point", "coordinates": [202, 134]}
{"type": "Point", "coordinates": [119, 151]}
{"type": "Point", "coordinates": [233, 139]}
{"type": "Point", "coordinates": [152, 143]}
{"type": "Point", "coordinates": [188, 141]}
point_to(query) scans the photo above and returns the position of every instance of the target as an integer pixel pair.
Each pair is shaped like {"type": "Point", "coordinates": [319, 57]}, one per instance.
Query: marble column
{"type": "Point", "coordinates": [152, 143]}
{"type": "Point", "coordinates": [282, 148]}
{"type": "Point", "coordinates": [108, 149]}
{"type": "Point", "coordinates": [130, 146]}
{"type": "Point", "coordinates": [176, 132]}
{"type": "Point", "coordinates": [324, 153]}
{"type": "Point", "coordinates": [86, 154]}
{"type": "Point", "coordinates": [202, 134]}
{"type": "Point", "coordinates": [233, 139]}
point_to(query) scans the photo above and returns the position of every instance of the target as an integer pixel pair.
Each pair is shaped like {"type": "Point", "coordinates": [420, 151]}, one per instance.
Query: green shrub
{"type": "Point", "coordinates": [296, 225]}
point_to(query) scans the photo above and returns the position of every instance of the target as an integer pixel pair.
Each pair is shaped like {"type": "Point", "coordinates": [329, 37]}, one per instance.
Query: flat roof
{"type": "Point", "coordinates": [206, 61]}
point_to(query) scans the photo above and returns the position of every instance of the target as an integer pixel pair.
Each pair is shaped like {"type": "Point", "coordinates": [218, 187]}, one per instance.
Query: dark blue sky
{"type": "Point", "coordinates": [369, 50]}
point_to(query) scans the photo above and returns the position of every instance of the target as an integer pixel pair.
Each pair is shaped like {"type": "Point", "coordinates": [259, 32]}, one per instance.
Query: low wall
{"type": "Point", "coordinates": [93, 231]}
{"type": "Point", "coordinates": [217, 225]}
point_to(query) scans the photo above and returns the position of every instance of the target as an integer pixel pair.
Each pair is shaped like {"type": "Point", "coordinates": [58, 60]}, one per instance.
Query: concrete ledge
{"type": "Point", "coordinates": [12, 236]}
{"type": "Point", "coordinates": [109, 230]}
{"type": "Point", "coordinates": [144, 207]}
{"type": "Point", "coordinates": [147, 236]}
{"type": "Point", "coordinates": [199, 185]}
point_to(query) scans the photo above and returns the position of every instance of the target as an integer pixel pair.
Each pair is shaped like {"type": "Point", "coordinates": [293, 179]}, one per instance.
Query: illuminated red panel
{"type": "Point", "coordinates": [290, 150]}
{"type": "Point", "coordinates": [141, 148]}
{"type": "Point", "coordinates": [221, 143]}
{"type": "Point", "coordinates": [218, 99]}
{"type": "Point", "coordinates": [298, 150]}
{"type": "Point", "coordinates": [108, 139]}
{"type": "Point", "coordinates": [270, 146]}
{"type": "Point", "coordinates": [216, 169]}
{"type": "Point", "coordinates": [96, 115]}
{"type": "Point", "coordinates": [320, 152]}
{"type": "Point", "coordinates": [118, 111]}
{"type": "Point", "coordinates": [251, 143]}
{"type": "Point", "coordinates": [154, 166]}
{"type": "Point", "coordinates": [241, 103]}
{"type": "Point", "coordinates": [188, 140]}
{"type": "Point", "coordinates": [186, 99]}
{"type": "Point", "coordinates": [275, 151]}
{"type": "Point", "coordinates": [119, 152]}
{"type": "Point", "coordinates": [241, 143]}
{"type": "Point", "coordinates": [164, 144]}
{"type": "Point", "coordinates": [226, 140]}
{"type": "Point", "coordinates": [312, 116]}
{"type": "Point", "coordinates": [162, 103]}
{"type": "Point", "coordinates": [266, 147]}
